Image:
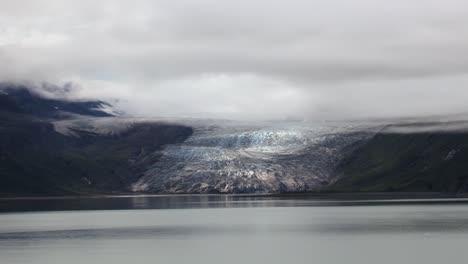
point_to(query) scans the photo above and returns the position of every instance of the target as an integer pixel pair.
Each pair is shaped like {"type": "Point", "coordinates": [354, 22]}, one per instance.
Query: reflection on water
{"type": "Point", "coordinates": [216, 201]}
{"type": "Point", "coordinates": [227, 229]}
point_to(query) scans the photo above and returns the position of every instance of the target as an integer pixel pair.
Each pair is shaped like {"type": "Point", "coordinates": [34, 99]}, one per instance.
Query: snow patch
{"type": "Point", "coordinates": [451, 154]}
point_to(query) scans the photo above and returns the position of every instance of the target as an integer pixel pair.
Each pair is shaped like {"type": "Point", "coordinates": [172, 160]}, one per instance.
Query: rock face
{"type": "Point", "coordinates": [237, 158]}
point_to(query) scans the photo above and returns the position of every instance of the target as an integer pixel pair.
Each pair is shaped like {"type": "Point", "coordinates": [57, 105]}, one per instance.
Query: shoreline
{"type": "Point", "coordinates": [217, 201]}
{"type": "Point", "coordinates": [318, 195]}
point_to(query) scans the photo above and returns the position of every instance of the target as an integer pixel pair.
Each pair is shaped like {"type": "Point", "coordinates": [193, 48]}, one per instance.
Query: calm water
{"type": "Point", "coordinates": [220, 229]}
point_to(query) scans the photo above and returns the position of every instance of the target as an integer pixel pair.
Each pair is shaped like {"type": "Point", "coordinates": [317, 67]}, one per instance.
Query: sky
{"type": "Point", "coordinates": [246, 59]}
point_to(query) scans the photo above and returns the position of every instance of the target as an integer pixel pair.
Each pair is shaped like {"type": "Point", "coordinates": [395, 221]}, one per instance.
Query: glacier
{"type": "Point", "coordinates": [268, 157]}
{"type": "Point", "coordinates": [224, 156]}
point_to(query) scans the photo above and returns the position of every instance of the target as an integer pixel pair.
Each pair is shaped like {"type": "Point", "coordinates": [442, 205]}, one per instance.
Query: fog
{"type": "Point", "coordinates": [259, 59]}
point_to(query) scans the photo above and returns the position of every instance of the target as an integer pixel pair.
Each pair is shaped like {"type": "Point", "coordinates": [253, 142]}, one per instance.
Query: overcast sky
{"type": "Point", "coordinates": [246, 58]}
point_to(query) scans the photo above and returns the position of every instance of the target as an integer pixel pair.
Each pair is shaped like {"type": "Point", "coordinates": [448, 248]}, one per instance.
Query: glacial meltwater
{"type": "Point", "coordinates": [233, 229]}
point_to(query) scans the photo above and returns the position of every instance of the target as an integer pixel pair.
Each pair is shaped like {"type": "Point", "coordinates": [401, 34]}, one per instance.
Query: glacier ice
{"type": "Point", "coordinates": [251, 158]}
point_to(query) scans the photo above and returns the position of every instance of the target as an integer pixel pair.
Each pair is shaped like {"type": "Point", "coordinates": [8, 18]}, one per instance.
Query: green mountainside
{"type": "Point", "coordinates": [37, 160]}
{"type": "Point", "coordinates": [410, 162]}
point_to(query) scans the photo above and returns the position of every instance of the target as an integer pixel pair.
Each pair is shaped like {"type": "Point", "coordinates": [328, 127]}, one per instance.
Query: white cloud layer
{"type": "Point", "coordinates": [248, 59]}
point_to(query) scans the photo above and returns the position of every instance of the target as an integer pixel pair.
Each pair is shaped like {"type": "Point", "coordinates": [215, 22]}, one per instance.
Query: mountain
{"type": "Point", "coordinates": [21, 99]}
{"type": "Point", "coordinates": [51, 146]}
{"type": "Point", "coordinates": [36, 159]}
{"type": "Point", "coordinates": [59, 147]}
{"type": "Point", "coordinates": [424, 157]}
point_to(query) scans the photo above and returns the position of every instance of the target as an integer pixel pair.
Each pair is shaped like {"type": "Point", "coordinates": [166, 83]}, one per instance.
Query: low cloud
{"type": "Point", "coordinates": [245, 59]}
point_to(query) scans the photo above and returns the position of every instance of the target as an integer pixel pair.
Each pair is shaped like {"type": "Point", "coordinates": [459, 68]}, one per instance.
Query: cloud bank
{"type": "Point", "coordinates": [245, 59]}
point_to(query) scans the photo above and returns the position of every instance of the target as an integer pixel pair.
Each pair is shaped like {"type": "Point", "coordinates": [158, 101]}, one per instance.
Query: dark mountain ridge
{"type": "Point", "coordinates": [420, 157]}
{"type": "Point", "coordinates": [22, 99]}
{"type": "Point", "coordinates": [35, 159]}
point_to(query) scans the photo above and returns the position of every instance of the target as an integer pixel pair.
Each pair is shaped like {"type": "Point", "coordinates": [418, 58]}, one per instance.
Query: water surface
{"type": "Point", "coordinates": [223, 229]}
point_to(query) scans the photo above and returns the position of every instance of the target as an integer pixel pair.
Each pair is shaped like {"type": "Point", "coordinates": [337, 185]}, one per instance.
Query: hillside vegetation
{"type": "Point", "coordinates": [37, 160]}
{"type": "Point", "coordinates": [423, 161]}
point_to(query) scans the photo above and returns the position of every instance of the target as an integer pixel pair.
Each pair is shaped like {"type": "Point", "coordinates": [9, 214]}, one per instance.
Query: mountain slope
{"type": "Point", "coordinates": [35, 159]}
{"type": "Point", "coordinates": [432, 160]}
{"type": "Point", "coordinates": [21, 99]}
{"type": "Point", "coordinates": [56, 147]}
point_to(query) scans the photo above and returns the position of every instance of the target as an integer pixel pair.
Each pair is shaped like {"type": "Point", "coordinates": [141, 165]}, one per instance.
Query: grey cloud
{"type": "Point", "coordinates": [311, 59]}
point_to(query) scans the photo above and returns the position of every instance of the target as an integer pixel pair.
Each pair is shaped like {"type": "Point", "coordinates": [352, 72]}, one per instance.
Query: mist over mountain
{"type": "Point", "coordinates": [25, 100]}
{"type": "Point", "coordinates": [245, 60]}
{"type": "Point", "coordinates": [37, 159]}
{"type": "Point", "coordinates": [52, 146]}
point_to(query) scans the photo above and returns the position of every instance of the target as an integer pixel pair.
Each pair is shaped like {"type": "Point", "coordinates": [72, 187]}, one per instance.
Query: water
{"type": "Point", "coordinates": [233, 229]}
